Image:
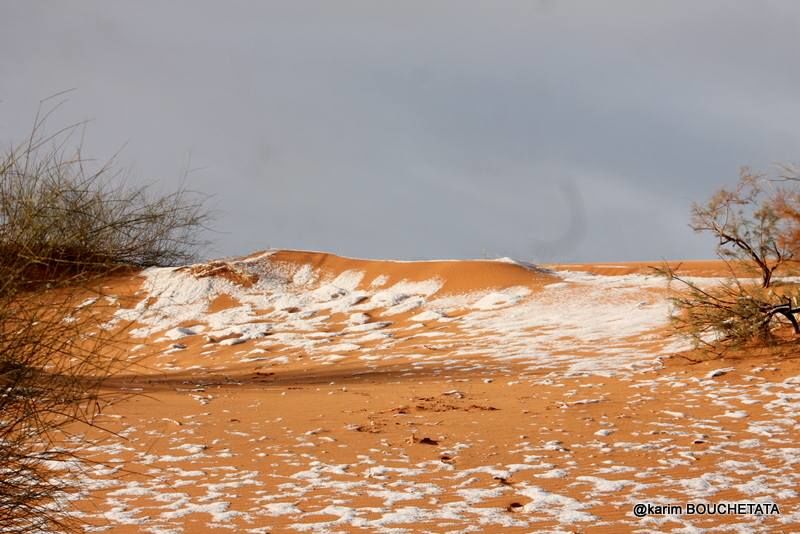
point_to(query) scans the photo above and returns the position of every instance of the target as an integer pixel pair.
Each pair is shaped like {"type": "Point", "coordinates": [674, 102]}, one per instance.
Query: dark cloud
{"type": "Point", "coordinates": [560, 131]}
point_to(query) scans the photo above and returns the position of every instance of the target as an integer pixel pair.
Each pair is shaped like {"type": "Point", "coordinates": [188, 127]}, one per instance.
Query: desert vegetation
{"type": "Point", "coordinates": [64, 222]}
{"type": "Point", "coordinates": [61, 214]}
{"type": "Point", "coordinates": [757, 228]}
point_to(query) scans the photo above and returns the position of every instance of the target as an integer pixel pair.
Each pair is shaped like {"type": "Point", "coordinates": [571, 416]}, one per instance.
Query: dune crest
{"type": "Point", "coordinates": [332, 309]}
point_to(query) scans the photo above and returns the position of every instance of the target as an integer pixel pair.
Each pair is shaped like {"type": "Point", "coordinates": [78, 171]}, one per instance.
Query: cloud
{"type": "Point", "coordinates": [447, 129]}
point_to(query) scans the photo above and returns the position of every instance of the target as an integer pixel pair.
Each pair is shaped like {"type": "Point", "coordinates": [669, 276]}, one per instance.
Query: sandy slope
{"type": "Point", "coordinates": [304, 392]}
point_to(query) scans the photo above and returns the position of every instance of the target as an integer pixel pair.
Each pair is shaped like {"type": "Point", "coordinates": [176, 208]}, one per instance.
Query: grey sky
{"type": "Point", "coordinates": [552, 131]}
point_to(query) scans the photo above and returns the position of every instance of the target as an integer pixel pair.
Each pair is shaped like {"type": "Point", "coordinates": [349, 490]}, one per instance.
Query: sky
{"type": "Point", "coordinates": [549, 131]}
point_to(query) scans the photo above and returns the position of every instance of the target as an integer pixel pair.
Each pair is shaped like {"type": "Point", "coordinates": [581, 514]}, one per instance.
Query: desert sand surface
{"type": "Point", "coordinates": [297, 391]}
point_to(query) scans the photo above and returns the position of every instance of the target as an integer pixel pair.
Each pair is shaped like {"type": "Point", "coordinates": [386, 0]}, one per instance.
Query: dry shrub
{"type": "Point", "coordinates": [735, 314]}
{"type": "Point", "coordinates": [53, 360]}
{"type": "Point", "coordinates": [756, 225]}
{"type": "Point", "coordinates": [61, 215]}
{"type": "Point", "coordinates": [61, 227]}
{"type": "Point", "coordinates": [748, 224]}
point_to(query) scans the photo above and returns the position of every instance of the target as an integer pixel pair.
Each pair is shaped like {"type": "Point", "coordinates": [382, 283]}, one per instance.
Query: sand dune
{"type": "Point", "coordinates": [292, 391]}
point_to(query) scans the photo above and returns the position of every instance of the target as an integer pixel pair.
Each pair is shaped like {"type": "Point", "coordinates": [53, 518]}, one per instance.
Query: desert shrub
{"type": "Point", "coordinates": [51, 374]}
{"type": "Point", "coordinates": [733, 314]}
{"type": "Point", "coordinates": [61, 225]}
{"type": "Point", "coordinates": [756, 226]}
{"type": "Point", "coordinates": [748, 224]}
{"type": "Point", "coordinates": [62, 214]}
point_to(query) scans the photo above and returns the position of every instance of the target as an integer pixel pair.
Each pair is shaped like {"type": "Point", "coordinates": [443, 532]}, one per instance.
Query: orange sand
{"type": "Point", "coordinates": [262, 433]}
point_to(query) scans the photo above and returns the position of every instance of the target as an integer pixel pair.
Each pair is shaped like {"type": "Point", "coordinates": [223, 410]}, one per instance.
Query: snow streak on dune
{"type": "Point", "coordinates": [572, 322]}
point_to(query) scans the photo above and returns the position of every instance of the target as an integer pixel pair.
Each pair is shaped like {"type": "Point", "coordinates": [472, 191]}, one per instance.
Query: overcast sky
{"type": "Point", "coordinates": [546, 131]}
